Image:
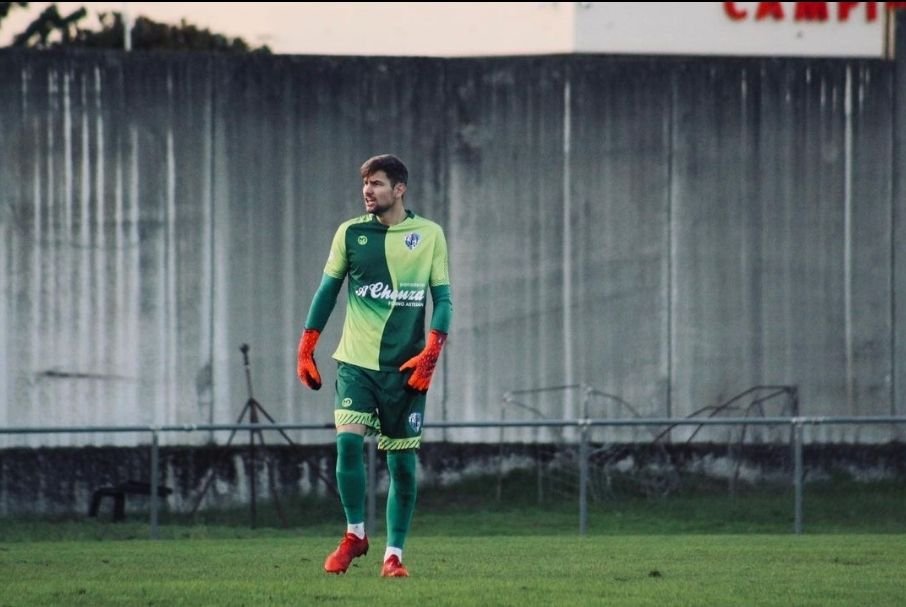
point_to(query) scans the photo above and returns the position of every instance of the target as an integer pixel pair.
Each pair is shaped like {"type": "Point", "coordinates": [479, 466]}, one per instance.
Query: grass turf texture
{"type": "Point", "coordinates": [696, 547]}
{"type": "Point", "coordinates": [824, 570]}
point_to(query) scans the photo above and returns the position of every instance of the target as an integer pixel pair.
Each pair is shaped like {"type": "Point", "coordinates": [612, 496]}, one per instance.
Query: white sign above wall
{"type": "Point", "coordinates": [832, 29]}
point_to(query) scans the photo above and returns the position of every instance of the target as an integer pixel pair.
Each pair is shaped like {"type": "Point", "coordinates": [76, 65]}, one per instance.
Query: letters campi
{"type": "Point", "coordinates": [808, 11]}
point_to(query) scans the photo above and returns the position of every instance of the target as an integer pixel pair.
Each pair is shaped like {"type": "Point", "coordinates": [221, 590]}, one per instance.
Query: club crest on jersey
{"type": "Point", "coordinates": [363, 240]}
{"type": "Point", "coordinates": [415, 421]}
{"type": "Point", "coordinates": [412, 240]}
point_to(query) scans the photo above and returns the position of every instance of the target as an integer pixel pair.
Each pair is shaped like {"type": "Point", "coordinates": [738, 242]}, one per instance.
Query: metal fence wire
{"type": "Point", "coordinates": [633, 455]}
{"type": "Point", "coordinates": [584, 460]}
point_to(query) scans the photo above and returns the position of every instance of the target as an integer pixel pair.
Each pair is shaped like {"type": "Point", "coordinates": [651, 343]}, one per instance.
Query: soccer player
{"type": "Point", "coordinates": [392, 258]}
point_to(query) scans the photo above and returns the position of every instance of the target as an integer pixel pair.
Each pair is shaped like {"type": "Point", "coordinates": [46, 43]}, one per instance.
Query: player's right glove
{"type": "Point", "coordinates": [306, 368]}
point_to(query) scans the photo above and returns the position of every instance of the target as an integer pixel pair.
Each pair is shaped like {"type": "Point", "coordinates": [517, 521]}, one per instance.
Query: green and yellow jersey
{"type": "Point", "coordinates": [391, 271]}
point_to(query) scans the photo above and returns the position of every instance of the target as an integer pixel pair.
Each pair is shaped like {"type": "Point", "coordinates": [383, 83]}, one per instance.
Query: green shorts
{"type": "Point", "coordinates": [381, 401]}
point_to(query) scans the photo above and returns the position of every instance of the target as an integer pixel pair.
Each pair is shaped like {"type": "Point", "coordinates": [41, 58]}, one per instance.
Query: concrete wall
{"type": "Point", "coordinates": [669, 230]}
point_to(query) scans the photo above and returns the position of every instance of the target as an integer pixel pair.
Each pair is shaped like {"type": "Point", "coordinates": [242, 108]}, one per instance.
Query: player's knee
{"type": "Point", "coordinates": [349, 447]}
{"type": "Point", "coordinates": [401, 466]}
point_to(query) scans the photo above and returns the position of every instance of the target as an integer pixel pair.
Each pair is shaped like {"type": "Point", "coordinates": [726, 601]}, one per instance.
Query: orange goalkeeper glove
{"type": "Point", "coordinates": [306, 368]}
{"type": "Point", "coordinates": [423, 363]}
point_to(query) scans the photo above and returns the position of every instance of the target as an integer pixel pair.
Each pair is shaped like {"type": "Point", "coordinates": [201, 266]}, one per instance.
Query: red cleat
{"type": "Point", "coordinates": [394, 568]}
{"type": "Point", "coordinates": [350, 547]}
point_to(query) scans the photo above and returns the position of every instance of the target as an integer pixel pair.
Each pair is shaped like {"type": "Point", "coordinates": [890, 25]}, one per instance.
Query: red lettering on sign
{"type": "Point", "coordinates": [844, 9]}
{"type": "Point", "coordinates": [871, 11]}
{"type": "Point", "coordinates": [808, 11]}
{"type": "Point", "coordinates": [811, 11]}
{"type": "Point", "coordinates": [734, 13]}
{"type": "Point", "coordinates": [769, 9]}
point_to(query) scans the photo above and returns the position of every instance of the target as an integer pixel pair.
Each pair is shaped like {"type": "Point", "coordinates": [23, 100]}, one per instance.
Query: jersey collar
{"type": "Point", "coordinates": [409, 215]}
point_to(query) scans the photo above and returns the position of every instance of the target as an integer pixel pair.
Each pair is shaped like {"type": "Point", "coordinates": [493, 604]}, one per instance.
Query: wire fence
{"type": "Point", "coordinates": [583, 461]}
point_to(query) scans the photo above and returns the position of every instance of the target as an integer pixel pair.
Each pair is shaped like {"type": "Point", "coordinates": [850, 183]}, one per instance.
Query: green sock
{"type": "Point", "coordinates": [351, 475]}
{"type": "Point", "coordinates": [401, 499]}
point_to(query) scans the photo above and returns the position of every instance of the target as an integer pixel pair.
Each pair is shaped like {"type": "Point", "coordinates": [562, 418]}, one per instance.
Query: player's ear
{"type": "Point", "coordinates": [400, 188]}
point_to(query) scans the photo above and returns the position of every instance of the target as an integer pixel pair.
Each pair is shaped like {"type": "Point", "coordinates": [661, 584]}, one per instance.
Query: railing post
{"type": "Point", "coordinates": [584, 427]}
{"type": "Point", "coordinates": [503, 407]}
{"type": "Point", "coordinates": [155, 482]}
{"type": "Point", "coordinates": [798, 475]}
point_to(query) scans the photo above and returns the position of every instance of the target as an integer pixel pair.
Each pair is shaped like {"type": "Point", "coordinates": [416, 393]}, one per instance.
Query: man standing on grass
{"type": "Point", "coordinates": [392, 258]}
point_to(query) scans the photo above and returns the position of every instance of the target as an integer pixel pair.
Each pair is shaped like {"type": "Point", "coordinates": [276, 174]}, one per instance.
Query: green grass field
{"type": "Point", "coordinates": [822, 570]}
{"type": "Point", "coordinates": [698, 547]}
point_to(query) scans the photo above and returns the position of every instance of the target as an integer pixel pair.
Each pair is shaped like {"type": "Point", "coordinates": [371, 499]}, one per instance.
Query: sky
{"type": "Point", "coordinates": [252, 21]}
{"type": "Point", "coordinates": [382, 28]}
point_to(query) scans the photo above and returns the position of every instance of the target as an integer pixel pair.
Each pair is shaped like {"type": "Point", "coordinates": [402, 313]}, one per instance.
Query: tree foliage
{"type": "Point", "coordinates": [6, 7]}
{"type": "Point", "coordinates": [53, 30]}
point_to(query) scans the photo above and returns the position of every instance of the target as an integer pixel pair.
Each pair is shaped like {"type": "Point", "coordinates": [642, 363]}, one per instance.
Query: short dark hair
{"type": "Point", "coordinates": [391, 165]}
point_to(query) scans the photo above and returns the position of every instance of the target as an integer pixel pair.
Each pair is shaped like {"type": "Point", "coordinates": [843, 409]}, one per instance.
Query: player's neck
{"type": "Point", "coordinates": [392, 216]}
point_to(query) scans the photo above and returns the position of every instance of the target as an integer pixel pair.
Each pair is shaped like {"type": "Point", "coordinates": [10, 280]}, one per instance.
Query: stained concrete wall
{"type": "Point", "coordinates": [672, 231]}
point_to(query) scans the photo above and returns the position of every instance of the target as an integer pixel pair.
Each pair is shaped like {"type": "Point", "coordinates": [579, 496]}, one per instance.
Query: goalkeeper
{"type": "Point", "coordinates": [392, 259]}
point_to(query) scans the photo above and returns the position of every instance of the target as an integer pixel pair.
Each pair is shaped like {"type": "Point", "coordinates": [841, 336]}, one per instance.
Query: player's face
{"type": "Point", "coordinates": [379, 195]}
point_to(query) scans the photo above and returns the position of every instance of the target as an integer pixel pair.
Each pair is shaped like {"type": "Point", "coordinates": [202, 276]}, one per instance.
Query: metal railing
{"type": "Point", "coordinates": [583, 425]}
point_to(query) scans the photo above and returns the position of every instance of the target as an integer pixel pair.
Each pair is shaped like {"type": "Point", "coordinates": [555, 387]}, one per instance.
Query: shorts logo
{"type": "Point", "coordinates": [362, 240]}
{"type": "Point", "coordinates": [412, 240]}
{"type": "Point", "coordinates": [415, 421]}
{"type": "Point", "coordinates": [347, 402]}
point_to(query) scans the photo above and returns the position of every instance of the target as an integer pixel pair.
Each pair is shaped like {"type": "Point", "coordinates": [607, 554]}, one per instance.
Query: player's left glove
{"type": "Point", "coordinates": [423, 363]}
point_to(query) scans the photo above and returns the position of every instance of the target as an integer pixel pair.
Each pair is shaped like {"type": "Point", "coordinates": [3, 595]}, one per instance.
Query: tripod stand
{"type": "Point", "coordinates": [253, 408]}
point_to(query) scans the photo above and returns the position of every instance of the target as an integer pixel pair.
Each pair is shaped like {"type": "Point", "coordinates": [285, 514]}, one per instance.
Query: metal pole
{"type": "Point", "coordinates": [372, 485]}
{"type": "Point", "coordinates": [583, 478]}
{"type": "Point", "coordinates": [253, 477]}
{"type": "Point", "coordinates": [506, 400]}
{"type": "Point", "coordinates": [798, 476]}
{"type": "Point", "coordinates": [155, 482]}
